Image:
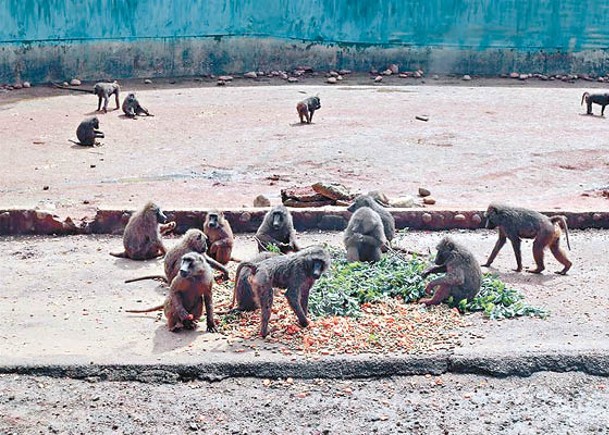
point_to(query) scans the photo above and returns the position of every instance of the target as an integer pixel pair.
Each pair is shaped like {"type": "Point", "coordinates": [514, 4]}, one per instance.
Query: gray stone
{"type": "Point", "coordinates": [75, 82]}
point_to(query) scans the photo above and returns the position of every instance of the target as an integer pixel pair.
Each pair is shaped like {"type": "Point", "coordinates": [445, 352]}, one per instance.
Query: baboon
{"type": "Point", "coordinates": [131, 107]}
{"type": "Point", "coordinates": [364, 236]}
{"type": "Point", "coordinates": [277, 228]}
{"type": "Point", "coordinates": [600, 99]}
{"type": "Point", "coordinates": [515, 223]}
{"type": "Point", "coordinates": [189, 289]}
{"type": "Point", "coordinates": [142, 236]}
{"type": "Point", "coordinates": [193, 241]}
{"type": "Point", "coordinates": [307, 107]}
{"type": "Point", "coordinates": [463, 275]}
{"type": "Point", "coordinates": [296, 272]}
{"type": "Point", "coordinates": [87, 131]}
{"type": "Point", "coordinates": [243, 289]}
{"type": "Point", "coordinates": [386, 217]}
{"type": "Point", "coordinates": [103, 90]}
{"type": "Point", "coordinates": [220, 237]}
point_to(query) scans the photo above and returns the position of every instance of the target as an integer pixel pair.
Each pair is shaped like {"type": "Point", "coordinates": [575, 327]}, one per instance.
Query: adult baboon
{"type": "Point", "coordinates": [220, 237]}
{"type": "Point", "coordinates": [295, 272]}
{"type": "Point", "coordinates": [277, 229]}
{"type": "Point", "coordinates": [132, 108]}
{"type": "Point", "coordinates": [515, 223]}
{"type": "Point", "coordinates": [307, 107]}
{"type": "Point", "coordinates": [600, 99]}
{"type": "Point", "coordinates": [243, 290]}
{"type": "Point", "coordinates": [189, 289]}
{"type": "Point", "coordinates": [142, 236]}
{"type": "Point", "coordinates": [103, 90]}
{"type": "Point", "coordinates": [463, 275]}
{"type": "Point", "coordinates": [88, 131]}
{"type": "Point", "coordinates": [364, 236]}
{"type": "Point", "coordinates": [386, 217]}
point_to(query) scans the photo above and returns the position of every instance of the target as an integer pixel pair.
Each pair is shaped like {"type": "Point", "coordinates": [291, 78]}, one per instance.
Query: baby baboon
{"type": "Point", "coordinates": [364, 236]}
{"type": "Point", "coordinates": [193, 241]}
{"type": "Point", "coordinates": [277, 228]}
{"type": "Point", "coordinates": [131, 106]}
{"type": "Point", "coordinates": [386, 217]}
{"type": "Point", "coordinates": [463, 275]}
{"type": "Point", "coordinates": [515, 223]}
{"type": "Point", "coordinates": [87, 132]}
{"type": "Point", "coordinates": [600, 99]}
{"type": "Point", "coordinates": [142, 236]}
{"type": "Point", "coordinates": [220, 237]}
{"type": "Point", "coordinates": [295, 272]}
{"type": "Point", "coordinates": [189, 289]}
{"type": "Point", "coordinates": [307, 107]}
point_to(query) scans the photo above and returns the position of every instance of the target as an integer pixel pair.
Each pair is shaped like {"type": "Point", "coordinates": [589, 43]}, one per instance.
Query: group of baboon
{"type": "Point", "coordinates": [281, 263]}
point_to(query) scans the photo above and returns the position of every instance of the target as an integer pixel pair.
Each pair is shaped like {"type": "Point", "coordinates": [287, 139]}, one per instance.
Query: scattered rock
{"type": "Point", "coordinates": [404, 75]}
{"type": "Point", "coordinates": [344, 72]}
{"type": "Point", "coordinates": [467, 78]}
{"type": "Point", "coordinates": [429, 200]}
{"type": "Point", "coordinates": [147, 82]}
{"type": "Point", "coordinates": [379, 197]}
{"type": "Point", "coordinates": [422, 118]}
{"type": "Point", "coordinates": [378, 79]}
{"type": "Point", "coordinates": [393, 68]}
{"type": "Point", "coordinates": [17, 86]}
{"type": "Point", "coordinates": [225, 78]}
{"type": "Point", "coordinates": [331, 80]}
{"type": "Point", "coordinates": [402, 202]}
{"type": "Point", "coordinates": [221, 83]}
{"type": "Point", "coordinates": [339, 77]}
{"type": "Point", "coordinates": [476, 219]}
{"type": "Point", "coordinates": [334, 74]}
{"type": "Point", "coordinates": [75, 82]}
{"type": "Point", "coordinates": [387, 72]}
{"type": "Point", "coordinates": [65, 84]}
{"type": "Point", "coordinates": [283, 76]}
{"type": "Point", "coordinates": [424, 192]}
{"type": "Point", "coordinates": [514, 75]}
{"type": "Point", "coordinates": [523, 76]}
{"type": "Point", "coordinates": [292, 80]}
{"type": "Point", "coordinates": [262, 201]}
{"type": "Point", "coordinates": [45, 188]}
{"type": "Point", "coordinates": [417, 74]}
{"type": "Point", "coordinates": [436, 77]}
{"type": "Point", "coordinates": [303, 194]}
{"type": "Point", "coordinates": [601, 79]}
{"type": "Point", "coordinates": [426, 218]}
{"type": "Point", "coordinates": [250, 75]}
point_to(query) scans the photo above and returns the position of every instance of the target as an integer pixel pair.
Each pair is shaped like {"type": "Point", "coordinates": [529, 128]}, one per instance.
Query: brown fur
{"type": "Point", "coordinates": [463, 275]}
{"type": "Point", "coordinates": [364, 236]}
{"type": "Point", "coordinates": [295, 272]}
{"type": "Point", "coordinates": [277, 229]}
{"type": "Point", "coordinates": [306, 108]}
{"type": "Point", "coordinates": [220, 237]}
{"type": "Point", "coordinates": [142, 236]}
{"type": "Point", "coordinates": [191, 287]}
{"type": "Point", "coordinates": [243, 289]}
{"type": "Point", "coordinates": [515, 223]}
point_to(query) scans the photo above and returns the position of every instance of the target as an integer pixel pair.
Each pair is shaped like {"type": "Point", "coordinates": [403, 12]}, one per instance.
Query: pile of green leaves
{"type": "Point", "coordinates": [345, 286]}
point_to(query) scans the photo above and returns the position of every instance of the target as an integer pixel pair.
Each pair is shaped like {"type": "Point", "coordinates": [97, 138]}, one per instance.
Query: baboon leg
{"type": "Point", "coordinates": [99, 102]}
{"type": "Point", "coordinates": [196, 313]}
{"type": "Point", "coordinates": [311, 116]}
{"type": "Point", "coordinates": [352, 253]}
{"type": "Point", "coordinates": [589, 104]}
{"type": "Point", "coordinates": [294, 300]}
{"type": "Point", "coordinates": [116, 100]}
{"type": "Point", "coordinates": [538, 246]}
{"type": "Point", "coordinates": [603, 110]}
{"type": "Point", "coordinates": [209, 312]}
{"type": "Point", "coordinates": [560, 254]}
{"type": "Point", "coordinates": [266, 302]}
{"type": "Point", "coordinates": [304, 297]}
{"type": "Point", "coordinates": [442, 292]}
{"type": "Point", "coordinates": [500, 242]}
{"type": "Point", "coordinates": [516, 246]}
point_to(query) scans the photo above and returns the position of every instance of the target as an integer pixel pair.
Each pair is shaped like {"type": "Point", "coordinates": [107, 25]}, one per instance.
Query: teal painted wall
{"type": "Point", "coordinates": [479, 24]}
{"type": "Point", "coordinates": [568, 26]}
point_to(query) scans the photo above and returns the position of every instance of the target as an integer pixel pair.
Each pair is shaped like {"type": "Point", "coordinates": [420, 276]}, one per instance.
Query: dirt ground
{"type": "Point", "coordinates": [211, 146]}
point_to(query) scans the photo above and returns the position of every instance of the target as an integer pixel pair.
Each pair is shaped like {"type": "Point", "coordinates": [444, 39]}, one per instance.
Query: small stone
{"type": "Point", "coordinates": [417, 75]}
{"type": "Point", "coordinates": [45, 188]}
{"type": "Point", "coordinates": [467, 78]}
{"type": "Point", "coordinates": [292, 80]}
{"type": "Point", "coordinates": [27, 85]}
{"type": "Point", "coordinates": [543, 77]}
{"type": "Point", "coordinates": [378, 79]}
{"type": "Point", "coordinates": [262, 201]}
{"type": "Point", "coordinates": [404, 75]}
{"type": "Point", "coordinates": [387, 72]}
{"type": "Point", "coordinates": [523, 77]}
{"type": "Point", "coordinates": [596, 217]}
{"type": "Point", "coordinates": [283, 76]}
{"type": "Point", "coordinates": [476, 219]}
{"type": "Point", "coordinates": [393, 68]}
{"type": "Point", "coordinates": [426, 218]}
{"type": "Point", "coordinates": [424, 192]}
{"type": "Point", "coordinates": [514, 75]}
{"type": "Point", "coordinates": [75, 82]}
{"type": "Point", "coordinates": [429, 200]}
{"type": "Point", "coordinates": [460, 218]}
{"type": "Point", "coordinates": [601, 79]}
{"type": "Point", "coordinates": [436, 77]}
{"type": "Point", "coordinates": [334, 74]}
{"type": "Point", "coordinates": [422, 118]}
{"type": "Point", "coordinates": [65, 84]}
{"type": "Point", "coordinates": [225, 78]}
{"type": "Point", "coordinates": [402, 202]}
{"type": "Point", "coordinates": [17, 86]}
{"type": "Point", "coordinates": [339, 77]}
{"type": "Point", "coordinates": [331, 80]}
{"type": "Point", "coordinates": [344, 72]}
{"type": "Point", "coordinates": [221, 83]}
{"type": "Point", "coordinates": [250, 75]}
{"type": "Point", "coordinates": [147, 82]}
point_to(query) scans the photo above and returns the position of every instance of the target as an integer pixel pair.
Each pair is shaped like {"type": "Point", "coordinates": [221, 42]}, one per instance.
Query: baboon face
{"type": "Point", "coordinates": [445, 248]}
{"type": "Point", "coordinates": [196, 240]}
{"type": "Point", "coordinates": [360, 201]}
{"type": "Point", "coordinates": [191, 265]}
{"type": "Point", "coordinates": [491, 215]}
{"type": "Point", "coordinates": [318, 261]}
{"type": "Point", "coordinates": [313, 103]}
{"type": "Point", "coordinates": [131, 96]}
{"type": "Point", "coordinates": [213, 220]}
{"type": "Point", "coordinates": [160, 216]}
{"type": "Point", "coordinates": [95, 122]}
{"type": "Point", "coordinates": [277, 219]}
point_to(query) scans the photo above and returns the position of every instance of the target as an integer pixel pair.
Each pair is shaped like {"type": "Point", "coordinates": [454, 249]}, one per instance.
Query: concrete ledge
{"type": "Point", "coordinates": [490, 364]}
{"type": "Point", "coordinates": [113, 221]}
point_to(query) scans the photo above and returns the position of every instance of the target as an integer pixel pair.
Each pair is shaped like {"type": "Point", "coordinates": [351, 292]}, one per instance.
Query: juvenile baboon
{"type": "Point", "coordinates": [142, 236]}
{"type": "Point", "coordinates": [463, 275]}
{"type": "Point", "coordinates": [193, 241]}
{"type": "Point", "coordinates": [103, 90]}
{"type": "Point", "coordinates": [386, 217]}
{"type": "Point", "coordinates": [364, 236]}
{"type": "Point", "coordinates": [277, 228]}
{"type": "Point", "coordinates": [600, 99]}
{"type": "Point", "coordinates": [131, 106]}
{"type": "Point", "coordinates": [515, 223]}
{"type": "Point", "coordinates": [295, 272]}
{"type": "Point", "coordinates": [220, 237]}
{"type": "Point", "coordinates": [87, 131]}
{"type": "Point", "coordinates": [307, 107]}
{"type": "Point", "coordinates": [189, 289]}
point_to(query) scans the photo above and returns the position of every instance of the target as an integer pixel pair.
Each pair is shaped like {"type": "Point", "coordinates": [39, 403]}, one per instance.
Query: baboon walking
{"type": "Point", "coordinates": [600, 99]}
{"type": "Point", "coordinates": [103, 90]}
{"type": "Point", "coordinates": [515, 223]}
{"type": "Point", "coordinates": [307, 107]}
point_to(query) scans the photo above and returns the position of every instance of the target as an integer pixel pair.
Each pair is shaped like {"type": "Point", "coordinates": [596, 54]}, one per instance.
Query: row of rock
{"type": "Point", "coordinates": [14, 86]}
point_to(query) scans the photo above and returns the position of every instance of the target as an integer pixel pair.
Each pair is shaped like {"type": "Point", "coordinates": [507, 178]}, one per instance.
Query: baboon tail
{"type": "Point", "coordinates": [561, 221]}
{"type": "Point", "coordinates": [149, 310]}
{"type": "Point", "coordinates": [584, 98]}
{"type": "Point", "coordinates": [142, 278]}
{"type": "Point", "coordinates": [119, 254]}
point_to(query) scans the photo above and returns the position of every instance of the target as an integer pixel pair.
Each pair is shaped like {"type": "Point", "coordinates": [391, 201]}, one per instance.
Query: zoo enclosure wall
{"type": "Point", "coordinates": [96, 39]}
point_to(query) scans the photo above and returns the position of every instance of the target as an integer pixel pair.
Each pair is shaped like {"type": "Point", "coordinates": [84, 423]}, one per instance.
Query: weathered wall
{"type": "Point", "coordinates": [58, 38]}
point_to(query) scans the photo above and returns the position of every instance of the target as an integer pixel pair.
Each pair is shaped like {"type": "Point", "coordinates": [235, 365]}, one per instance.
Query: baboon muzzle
{"type": "Point", "coordinates": [276, 221]}
{"type": "Point", "coordinates": [317, 269]}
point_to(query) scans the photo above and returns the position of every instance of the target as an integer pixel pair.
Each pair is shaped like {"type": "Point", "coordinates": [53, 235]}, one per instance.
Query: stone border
{"type": "Point", "coordinates": [247, 220]}
{"type": "Point", "coordinates": [490, 364]}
